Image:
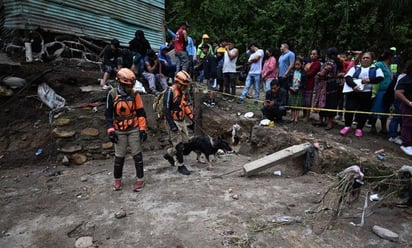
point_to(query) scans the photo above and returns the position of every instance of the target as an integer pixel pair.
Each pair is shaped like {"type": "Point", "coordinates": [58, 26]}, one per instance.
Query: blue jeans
{"type": "Point", "coordinates": [266, 86]}
{"type": "Point", "coordinates": [252, 78]}
{"type": "Point", "coordinates": [396, 120]}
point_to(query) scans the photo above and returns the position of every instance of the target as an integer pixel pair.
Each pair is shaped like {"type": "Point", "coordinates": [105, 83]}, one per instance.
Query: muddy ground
{"type": "Point", "coordinates": [48, 204]}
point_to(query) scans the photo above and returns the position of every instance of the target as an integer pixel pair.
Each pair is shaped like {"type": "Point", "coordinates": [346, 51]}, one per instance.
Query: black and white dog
{"type": "Point", "coordinates": [206, 145]}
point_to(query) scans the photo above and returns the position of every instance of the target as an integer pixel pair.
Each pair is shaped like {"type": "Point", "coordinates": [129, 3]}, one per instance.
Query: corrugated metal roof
{"type": "Point", "coordinates": [102, 20]}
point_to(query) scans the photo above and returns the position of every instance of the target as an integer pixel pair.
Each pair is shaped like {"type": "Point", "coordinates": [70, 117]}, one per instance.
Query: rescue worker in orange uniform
{"type": "Point", "coordinates": [176, 108]}
{"type": "Point", "coordinates": [126, 126]}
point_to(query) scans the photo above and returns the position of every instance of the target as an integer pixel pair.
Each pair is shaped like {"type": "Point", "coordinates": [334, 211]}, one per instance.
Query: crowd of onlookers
{"type": "Point", "coordinates": [358, 88]}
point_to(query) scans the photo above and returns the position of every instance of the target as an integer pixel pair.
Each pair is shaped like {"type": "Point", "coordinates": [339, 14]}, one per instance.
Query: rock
{"type": "Point", "coordinates": [84, 242]}
{"type": "Point", "coordinates": [79, 158]}
{"type": "Point", "coordinates": [65, 160]}
{"type": "Point", "coordinates": [90, 132]}
{"type": "Point", "coordinates": [14, 82]}
{"type": "Point", "coordinates": [56, 132]}
{"type": "Point", "coordinates": [93, 146]}
{"type": "Point", "coordinates": [83, 178]}
{"type": "Point", "coordinates": [385, 233]}
{"type": "Point", "coordinates": [107, 145]}
{"type": "Point", "coordinates": [120, 214]}
{"type": "Point", "coordinates": [61, 122]}
{"type": "Point", "coordinates": [5, 91]}
{"type": "Point", "coordinates": [287, 219]}
{"type": "Point", "coordinates": [70, 149]}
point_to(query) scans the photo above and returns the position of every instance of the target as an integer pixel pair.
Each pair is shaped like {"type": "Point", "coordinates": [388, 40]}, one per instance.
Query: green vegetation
{"type": "Point", "coordinates": [372, 25]}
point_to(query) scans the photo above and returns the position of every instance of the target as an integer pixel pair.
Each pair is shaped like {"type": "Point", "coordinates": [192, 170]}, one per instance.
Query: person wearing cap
{"type": "Point", "coordinates": [190, 48]}
{"type": "Point", "coordinates": [205, 40]}
{"type": "Point", "coordinates": [112, 62]}
{"type": "Point", "coordinates": [229, 68]}
{"type": "Point", "coordinates": [200, 55]}
{"type": "Point", "coordinates": [176, 108]}
{"type": "Point", "coordinates": [253, 76]}
{"type": "Point", "coordinates": [180, 43]}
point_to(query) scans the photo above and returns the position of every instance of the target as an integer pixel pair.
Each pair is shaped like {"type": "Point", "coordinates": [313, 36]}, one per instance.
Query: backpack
{"type": "Point", "coordinates": [158, 105]}
{"type": "Point", "coordinates": [372, 72]}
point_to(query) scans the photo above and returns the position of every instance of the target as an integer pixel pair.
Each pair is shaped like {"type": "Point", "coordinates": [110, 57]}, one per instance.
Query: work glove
{"type": "Point", "coordinates": [143, 135]}
{"type": "Point", "coordinates": [174, 128]}
{"type": "Point", "coordinates": [113, 137]}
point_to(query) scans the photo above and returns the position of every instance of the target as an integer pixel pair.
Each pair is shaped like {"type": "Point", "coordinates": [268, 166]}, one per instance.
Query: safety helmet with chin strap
{"type": "Point", "coordinates": [183, 78]}
{"type": "Point", "coordinates": [126, 76]}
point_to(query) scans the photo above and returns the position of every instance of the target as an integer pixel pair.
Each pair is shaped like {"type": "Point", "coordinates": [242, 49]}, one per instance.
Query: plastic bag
{"type": "Point", "coordinates": [49, 97]}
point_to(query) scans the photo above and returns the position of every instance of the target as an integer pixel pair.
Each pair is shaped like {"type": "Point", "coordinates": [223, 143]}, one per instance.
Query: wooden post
{"type": "Point", "coordinates": [275, 158]}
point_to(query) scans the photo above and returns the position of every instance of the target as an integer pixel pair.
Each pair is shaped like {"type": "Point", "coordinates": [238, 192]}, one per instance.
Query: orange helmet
{"type": "Point", "coordinates": [183, 78]}
{"type": "Point", "coordinates": [126, 76]}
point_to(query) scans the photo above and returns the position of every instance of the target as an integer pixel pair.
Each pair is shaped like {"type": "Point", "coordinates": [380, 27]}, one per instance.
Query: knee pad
{"type": "Point", "coordinates": [179, 152]}
{"type": "Point", "coordinates": [138, 163]}
{"type": "Point", "coordinates": [118, 167]}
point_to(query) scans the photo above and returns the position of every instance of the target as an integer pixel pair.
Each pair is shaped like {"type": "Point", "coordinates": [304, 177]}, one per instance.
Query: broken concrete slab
{"type": "Point", "coordinates": [275, 158]}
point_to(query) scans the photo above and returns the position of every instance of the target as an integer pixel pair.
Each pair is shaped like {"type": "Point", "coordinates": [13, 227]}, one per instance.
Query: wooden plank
{"type": "Point", "coordinates": [275, 158]}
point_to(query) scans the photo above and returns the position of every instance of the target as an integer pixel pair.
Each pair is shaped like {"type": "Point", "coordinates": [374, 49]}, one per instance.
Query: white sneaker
{"type": "Point", "coordinates": [407, 150]}
{"type": "Point", "coordinates": [396, 140]}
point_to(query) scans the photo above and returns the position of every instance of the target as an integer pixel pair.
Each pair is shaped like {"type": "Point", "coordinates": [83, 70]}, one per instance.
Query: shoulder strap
{"type": "Point", "coordinates": [372, 72]}
{"type": "Point", "coordinates": [357, 72]}
{"type": "Point", "coordinates": [113, 93]}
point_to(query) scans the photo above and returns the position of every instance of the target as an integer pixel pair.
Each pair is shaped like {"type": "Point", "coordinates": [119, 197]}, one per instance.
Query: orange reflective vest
{"type": "Point", "coordinates": [176, 105]}
{"type": "Point", "coordinates": [125, 111]}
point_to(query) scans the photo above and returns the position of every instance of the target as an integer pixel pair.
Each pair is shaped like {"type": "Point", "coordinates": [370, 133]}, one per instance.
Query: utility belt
{"type": "Point", "coordinates": [126, 123]}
